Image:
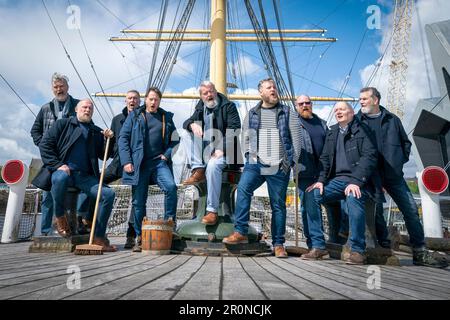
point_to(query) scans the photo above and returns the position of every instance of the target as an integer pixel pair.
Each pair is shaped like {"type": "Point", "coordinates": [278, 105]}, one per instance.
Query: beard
{"type": "Point", "coordinates": [367, 109]}
{"type": "Point", "coordinates": [84, 118]}
{"type": "Point", "coordinates": [273, 100]}
{"type": "Point", "coordinates": [61, 97]}
{"type": "Point", "coordinates": [306, 114]}
{"type": "Point", "coordinates": [211, 104]}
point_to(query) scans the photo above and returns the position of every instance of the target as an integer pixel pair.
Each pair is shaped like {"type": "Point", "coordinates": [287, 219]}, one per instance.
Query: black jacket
{"type": "Point", "coordinates": [47, 116]}
{"type": "Point", "coordinates": [361, 154]}
{"type": "Point", "coordinates": [58, 141]}
{"type": "Point", "coordinates": [114, 169]}
{"type": "Point", "coordinates": [226, 116]}
{"type": "Point", "coordinates": [396, 146]}
{"type": "Point", "coordinates": [116, 126]}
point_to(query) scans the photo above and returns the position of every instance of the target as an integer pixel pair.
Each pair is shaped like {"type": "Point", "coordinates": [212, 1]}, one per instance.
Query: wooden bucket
{"type": "Point", "coordinates": [156, 236]}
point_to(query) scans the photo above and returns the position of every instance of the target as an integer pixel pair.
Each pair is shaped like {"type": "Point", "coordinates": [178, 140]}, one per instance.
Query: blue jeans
{"type": "Point", "coordinates": [251, 180]}
{"type": "Point", "coordinates": [87, 184]}
{"type": "Point", "coordinates": [214, 171]}
{"type": "Point", "coordinates": [334, 191]}
{"type": "Point", "coordinates": [400, 193]}
{"type": "Point", "coordinates": [195, 147]}
{"type": "Point", "coordinates": [47, 212]}
{"type": "Point", "coordinates": [304, 183]}
{"type": "Point", "coordinates": [85, 208]}
{"type": "Point", "coordinates": [154, 171]}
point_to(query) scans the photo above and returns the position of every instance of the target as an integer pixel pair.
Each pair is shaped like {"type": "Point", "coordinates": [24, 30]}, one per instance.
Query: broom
{"type": "Point", "coordinates": [93, 249]}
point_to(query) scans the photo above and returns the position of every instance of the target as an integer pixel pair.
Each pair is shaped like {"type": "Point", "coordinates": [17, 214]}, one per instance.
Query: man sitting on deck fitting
{"type": "Point", "coordinates": [214, 115]}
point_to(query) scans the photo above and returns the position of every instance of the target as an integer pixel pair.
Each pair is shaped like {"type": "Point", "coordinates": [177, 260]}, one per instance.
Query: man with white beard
{"type": "Point", "coordinates": [71, 149]}
{"type": "Point", "coordinates": [213, 123]}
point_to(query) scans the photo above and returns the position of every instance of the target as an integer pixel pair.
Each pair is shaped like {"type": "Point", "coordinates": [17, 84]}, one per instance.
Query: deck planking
{"type": "Point", "coordinates": [133, 276]}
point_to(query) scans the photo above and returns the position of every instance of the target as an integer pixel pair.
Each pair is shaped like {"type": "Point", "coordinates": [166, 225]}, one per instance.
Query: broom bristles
{"type": "Point", "coordinates": [88, 249]}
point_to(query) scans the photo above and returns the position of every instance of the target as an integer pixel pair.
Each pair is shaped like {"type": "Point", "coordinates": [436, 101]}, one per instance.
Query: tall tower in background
{"type": "Point", "coordinates": [401, 41]}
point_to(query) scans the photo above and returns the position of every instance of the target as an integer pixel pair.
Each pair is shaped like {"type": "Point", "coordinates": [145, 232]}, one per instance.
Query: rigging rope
{"type": "Point", "coordinates": [93, 69]}
{"type": "Point", "coordinates": [171, 53]}
{"type": "Point", "coordinates": [317, 66]}
{"type": "Point", "coordinates": [18, 96]}
{"type": "Point", "coordinates": [162, 18]}
{"type": "Point", "coordinates": [267, 53]}
{"type": "Point", "coordinates": [71, 61]}
{"type": "Point", "coordinates": [348, 76]}
{"type": "Point", "coordinates": [285, 54]}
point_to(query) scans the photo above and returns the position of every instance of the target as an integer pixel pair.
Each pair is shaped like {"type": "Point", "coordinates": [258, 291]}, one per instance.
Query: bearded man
{"type": "Point", "coordinates": [71, 149]}
{"type": "Point", "coordinates": [211, 132]}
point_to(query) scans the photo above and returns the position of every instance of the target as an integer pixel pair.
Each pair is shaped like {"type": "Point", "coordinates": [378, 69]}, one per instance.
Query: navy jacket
{"type": "Point", "coordinates": [116, 125]}
{"type": "Point", "coordinates": [58, 141]}
{"type": "Point", "coordinates": [308, 166]}
{"type": "Point", "coordinates": [361, 154]}
{"type": "Point", "coordinates": [132, 138]}
{"type": "Point", "coordinates": [254, 122]}
{"type": "Point", "coordinates": [396, 146]}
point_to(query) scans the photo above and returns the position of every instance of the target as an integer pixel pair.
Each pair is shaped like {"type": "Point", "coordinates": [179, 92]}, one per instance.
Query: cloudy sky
{"type": "Point", "coordinates": [30, 52]}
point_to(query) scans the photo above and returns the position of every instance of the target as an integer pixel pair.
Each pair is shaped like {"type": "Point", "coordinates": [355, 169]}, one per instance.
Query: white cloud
{"type": "Point", "coordinates": [14, 151]}
{"type": "Point", "coordinates": [249, 67]}
{"type": "Point", "coordinates": [31, 52]}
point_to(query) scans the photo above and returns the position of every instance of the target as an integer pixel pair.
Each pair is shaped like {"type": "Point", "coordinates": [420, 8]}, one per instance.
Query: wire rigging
{"type": "Point", "coordinates": [92, 67]}
{"type": "Point", "coordinates": [267, 53]}
{"type": "Point", "coordinates": [18, 96]}
{"type": "Point", "coordinates": [171, 53]}
{"type": "Point", "coordinates": [300, 76]}
{"type": "Point", "coordinates": [285, 53]}
{"type": "Point", "coordinates": [162, 18]}
{"type": "Point", "coordinates": [71, 61]}
{"type": "Point", "coordinates": [317, 66]}
{"type": "Point", "coordinates": [349, 74]}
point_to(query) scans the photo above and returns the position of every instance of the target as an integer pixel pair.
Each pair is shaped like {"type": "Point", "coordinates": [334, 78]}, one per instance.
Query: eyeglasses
{"type": "Point", "coordinates": [308, 103]}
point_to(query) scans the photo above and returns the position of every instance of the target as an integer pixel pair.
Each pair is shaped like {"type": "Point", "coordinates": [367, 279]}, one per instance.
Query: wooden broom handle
{"type": "Point", "coordinates": [99, 192]}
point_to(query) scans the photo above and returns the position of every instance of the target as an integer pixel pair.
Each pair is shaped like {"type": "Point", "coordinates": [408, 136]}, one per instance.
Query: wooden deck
{"type": "Point", "coordinates": [126, 275]}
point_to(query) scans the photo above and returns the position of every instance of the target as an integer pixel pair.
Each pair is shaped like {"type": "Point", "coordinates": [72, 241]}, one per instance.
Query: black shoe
{"type": "Point", "coordinates": [129, 243]}
{"type": "Point", "coordinates": [385, 244]}
{"type": "Point", "coordinates": [429, 258]}
{"type": "Point", "coordinates": [83, 228]}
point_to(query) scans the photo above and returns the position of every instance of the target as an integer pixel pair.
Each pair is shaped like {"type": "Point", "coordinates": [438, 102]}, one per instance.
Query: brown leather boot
{"type": "Point", "coordinates": [235, 238]}
{"type": "Point", "coordinates": [104, 243]}
{"type": "Point", "coordinates": [210, 218]}
{"type": "Point", "coordinates": [280, 252]}
{"type": "Point", "coordinates": [197, 176]}
{"type": "Point", "coordinates": [315, 254]}
{"type": "Point", "coordinates": [62, 226]}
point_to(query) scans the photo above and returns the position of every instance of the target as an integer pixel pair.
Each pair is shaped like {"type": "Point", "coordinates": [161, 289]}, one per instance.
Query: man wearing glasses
{"type": "Point", "coordinates": [313, 130]}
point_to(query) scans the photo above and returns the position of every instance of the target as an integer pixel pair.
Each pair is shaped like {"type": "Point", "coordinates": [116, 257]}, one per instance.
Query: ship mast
{"type": "Point", "coordinates": [218, 56]}
{"type": "Point", "coordinates": [218, 47]}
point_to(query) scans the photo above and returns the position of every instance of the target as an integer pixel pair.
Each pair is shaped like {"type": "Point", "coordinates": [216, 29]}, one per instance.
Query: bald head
{"type": "Point", "coordinates": [344, 113]}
